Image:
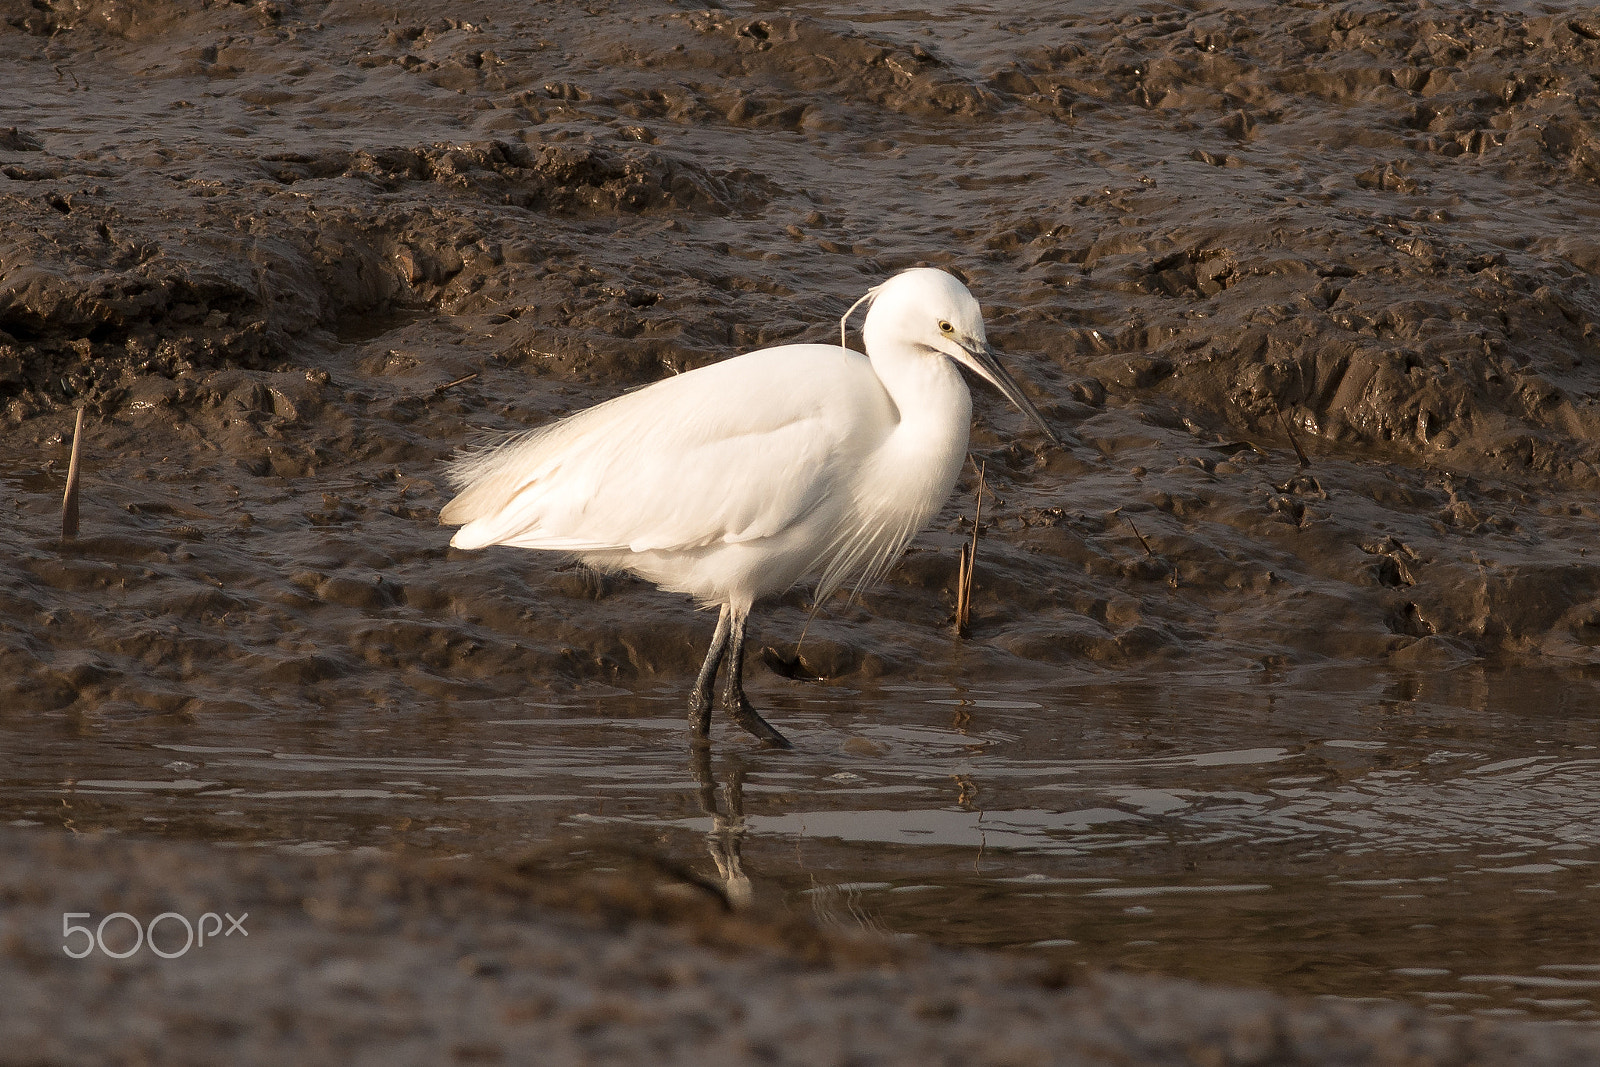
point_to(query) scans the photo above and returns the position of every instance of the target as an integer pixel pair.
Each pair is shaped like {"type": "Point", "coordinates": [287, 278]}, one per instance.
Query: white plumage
{"type": "Point", "coordinates": [736, 480]}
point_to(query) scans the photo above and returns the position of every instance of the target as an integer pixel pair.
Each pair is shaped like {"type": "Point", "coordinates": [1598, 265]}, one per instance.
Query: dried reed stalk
{"type": "Point", "coordinates": [1147, 549]}
{"type": "Point", "coordinates": [69, 499]}
{"type": "Point", "coordinates": [438, 389]}
{"type": "Point", "coordinates": [1299, 452]}
{"type": "Point", "coordinates": [964, 566]}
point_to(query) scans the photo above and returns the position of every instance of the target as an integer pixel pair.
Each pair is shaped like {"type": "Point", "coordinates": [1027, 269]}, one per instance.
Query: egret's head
{"type": "Point", "coordinates": [930, 310]}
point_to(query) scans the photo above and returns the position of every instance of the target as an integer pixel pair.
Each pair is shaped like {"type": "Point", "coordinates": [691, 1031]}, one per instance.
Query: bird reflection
{"type": "Point", "coordinates": [727, 828]}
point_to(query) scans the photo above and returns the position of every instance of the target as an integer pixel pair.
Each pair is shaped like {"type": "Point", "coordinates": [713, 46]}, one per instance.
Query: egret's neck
{"type": "Point", "coordinates": [925, 386]}
{"type": "Point", "coordinates": [929, 443]}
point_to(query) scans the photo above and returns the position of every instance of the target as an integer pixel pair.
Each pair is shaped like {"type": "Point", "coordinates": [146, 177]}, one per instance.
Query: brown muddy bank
{"type": "Point", "coordinates": [291, 256]}
{"type": "Point", "coordinates": [366, 960]}
{"type": "Point", "coordinates": [1192, 230]}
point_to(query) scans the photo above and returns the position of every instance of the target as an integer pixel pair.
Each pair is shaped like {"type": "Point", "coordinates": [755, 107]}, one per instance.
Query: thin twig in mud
{"type": "Point", "coordinates": [1147, 549]}
{"type": "Point", "coordinates": [963, 584]}
{"type": "Point", "coordinates": [450, 385]}
{"type": "Point", "coordinates": [964, 567]}
{"type": "Point", "coordinates": [69, 499]}
{"type": "Point", "coordinates": [1299, 452]}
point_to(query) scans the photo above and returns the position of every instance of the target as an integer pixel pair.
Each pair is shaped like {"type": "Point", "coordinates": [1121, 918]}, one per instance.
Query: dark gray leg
{"type": "Point", "coordinates": [704, 694]}
{"type": "Point", "coordinates": [733, 697]}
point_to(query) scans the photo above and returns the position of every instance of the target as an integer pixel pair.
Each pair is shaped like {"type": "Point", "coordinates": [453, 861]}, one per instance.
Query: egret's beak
{"type": "Point", "coordinates": [985, 363]}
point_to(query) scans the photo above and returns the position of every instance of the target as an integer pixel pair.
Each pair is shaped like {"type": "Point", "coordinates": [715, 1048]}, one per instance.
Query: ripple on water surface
{"type": "Point", "coordinates": [1335, 833]}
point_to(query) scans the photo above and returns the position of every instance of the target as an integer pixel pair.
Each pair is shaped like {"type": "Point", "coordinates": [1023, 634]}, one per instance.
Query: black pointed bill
{"type": "Point", "coordinates": [985, 363]}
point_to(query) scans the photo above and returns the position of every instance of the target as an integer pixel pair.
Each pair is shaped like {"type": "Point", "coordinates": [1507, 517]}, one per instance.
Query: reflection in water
{"type": "Point", "coordinates": [1325, 834]}
{"type": "Point", "coordinates": [727, 830]}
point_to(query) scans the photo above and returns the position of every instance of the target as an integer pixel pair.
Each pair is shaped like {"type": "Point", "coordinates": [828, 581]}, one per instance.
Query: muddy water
{"type": "Point", "coordinates": [1426, 839]}
{"type": "Point", "coordinates": [1318, 724]}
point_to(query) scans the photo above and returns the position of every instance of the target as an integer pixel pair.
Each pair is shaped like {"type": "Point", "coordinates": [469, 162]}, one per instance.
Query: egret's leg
{"type": "Point", "coordinates": [733, 689]}
{"type": "Point", "coordinates": [701, 699]}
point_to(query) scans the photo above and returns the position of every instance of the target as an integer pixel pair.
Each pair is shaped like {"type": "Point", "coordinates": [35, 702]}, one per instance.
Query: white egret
{"type": "Point", "coordinates": [734, 481]}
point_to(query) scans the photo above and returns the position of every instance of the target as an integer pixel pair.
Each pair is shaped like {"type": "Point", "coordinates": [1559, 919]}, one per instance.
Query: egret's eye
{"type": "Point", "coordinates": [945, 326]}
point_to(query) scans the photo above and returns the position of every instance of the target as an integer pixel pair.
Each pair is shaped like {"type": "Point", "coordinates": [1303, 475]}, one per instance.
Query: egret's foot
{"type": "Point", "coordinates": [733, 697]}
{"type": "Point", "coordinates": [699, 719]}
{"type": "Point", "coordinates": [746, 716]}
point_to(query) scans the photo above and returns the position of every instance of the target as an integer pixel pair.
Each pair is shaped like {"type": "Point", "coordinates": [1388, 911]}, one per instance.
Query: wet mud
{"type": "Point", "coordinates": [496, 960]}
{"type": "Point", "coordinates": [1310, 292]}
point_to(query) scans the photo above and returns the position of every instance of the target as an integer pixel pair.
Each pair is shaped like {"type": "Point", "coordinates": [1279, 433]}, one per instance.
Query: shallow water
{"type": "Point", "coordinates": [1429, 838]}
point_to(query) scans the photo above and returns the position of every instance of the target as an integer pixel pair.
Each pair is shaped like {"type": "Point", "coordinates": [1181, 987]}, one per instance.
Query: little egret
{"type": "Point", "coordinates": [734, 481]}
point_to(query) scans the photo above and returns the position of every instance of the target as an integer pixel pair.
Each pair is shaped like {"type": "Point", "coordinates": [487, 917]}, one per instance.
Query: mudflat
{"type": "Point", "coordinates": [1303, 605]}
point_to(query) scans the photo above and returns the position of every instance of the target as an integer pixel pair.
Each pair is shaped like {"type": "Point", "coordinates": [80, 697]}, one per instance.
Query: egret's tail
{"type": "Point", "coordinates": [472, 535]}
{"type": "Point", "coordinates": [477, 501]}
{"type": "Point", "coordinates": [487, 479]}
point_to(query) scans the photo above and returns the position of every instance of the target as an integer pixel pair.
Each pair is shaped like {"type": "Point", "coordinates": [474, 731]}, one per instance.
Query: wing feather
{"type": "Point", "coordinates": [732, 452]}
